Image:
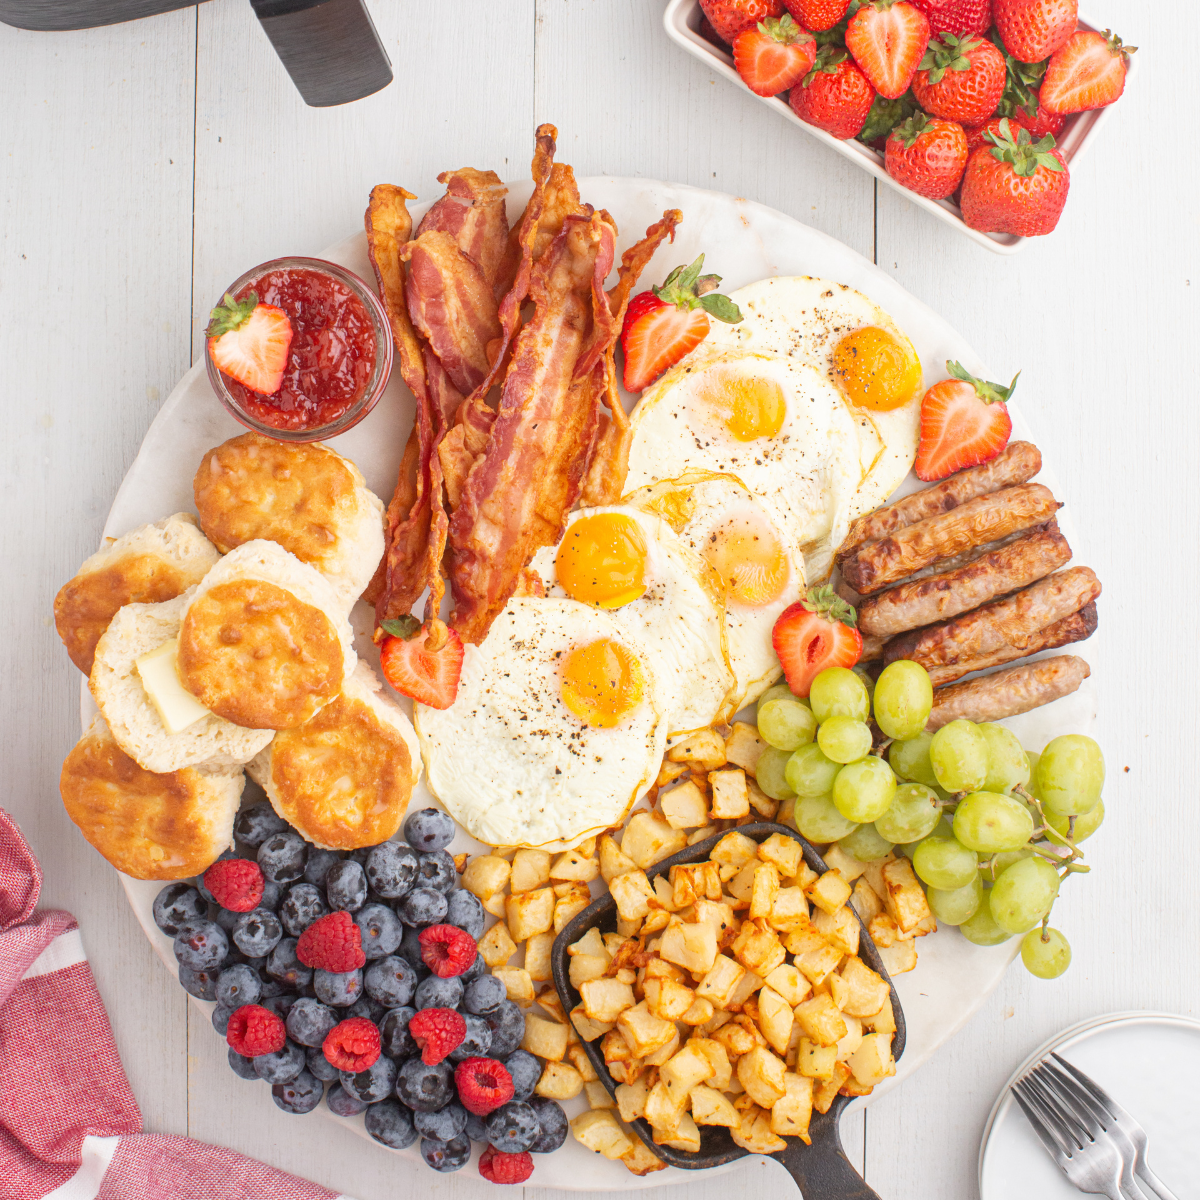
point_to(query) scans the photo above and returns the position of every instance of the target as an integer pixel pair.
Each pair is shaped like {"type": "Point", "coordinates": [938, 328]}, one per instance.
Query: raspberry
{"type": "Point", "coordinates": [447, 951]}
{"type": "Point", "coordinates": [254, 1030]}
{"type": "Point", "coordinates": [484, 1084]}
{"type": "Point", "coordinates": [235, 883]}
{"type": "Point", "coordinates": [352, 1045]}
{"type": "Point", "coordinates": [437, 1031]}
{"type": "Point", "coordinates": [497, 1167]}
{"type": "Point", "coordinates": [332, 943]}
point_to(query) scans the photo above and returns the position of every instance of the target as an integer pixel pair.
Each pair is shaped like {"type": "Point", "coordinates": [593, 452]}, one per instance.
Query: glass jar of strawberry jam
{"type": "Point", "coordinates": [337, 363]}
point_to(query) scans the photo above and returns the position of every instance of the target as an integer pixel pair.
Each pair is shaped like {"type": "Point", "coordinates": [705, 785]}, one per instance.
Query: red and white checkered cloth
{"type": "Point", "coordinates": [69, 1125]}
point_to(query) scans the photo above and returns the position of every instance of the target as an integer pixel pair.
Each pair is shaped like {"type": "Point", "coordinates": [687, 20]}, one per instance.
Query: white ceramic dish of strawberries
{"type": "Point", "coordinates": [682, 23]}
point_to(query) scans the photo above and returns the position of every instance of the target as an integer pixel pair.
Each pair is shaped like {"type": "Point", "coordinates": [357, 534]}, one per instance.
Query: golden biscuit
{"type": "Point", "coordinates": [149, 826]}
{"type": "Point", "coordinates": [145, 566]}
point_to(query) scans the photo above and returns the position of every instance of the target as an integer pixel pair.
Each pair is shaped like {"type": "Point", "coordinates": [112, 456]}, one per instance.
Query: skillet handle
{"type": "Point", "coordinates": [822, 1171]}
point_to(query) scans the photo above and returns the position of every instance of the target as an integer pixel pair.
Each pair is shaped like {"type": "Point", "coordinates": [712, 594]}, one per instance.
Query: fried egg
{"type": "Point", "coordinates": [718, 518]}
{"type": "Point", "coordinates": [664, 597]}
{"type": "Point", "coordinates": [556, 730]}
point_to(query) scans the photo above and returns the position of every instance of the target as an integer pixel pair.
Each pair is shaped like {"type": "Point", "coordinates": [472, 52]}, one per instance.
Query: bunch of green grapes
{"type": "Point", "coordinates": [991, 830]}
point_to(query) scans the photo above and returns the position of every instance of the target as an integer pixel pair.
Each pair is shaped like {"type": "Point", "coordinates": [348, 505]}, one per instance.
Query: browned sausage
{"type": "Point", "coordinates": [1078, 627]}
{"type": "Point", "coordinates": [973, 523]}
{"type": "Point", "coordinates": [1007, 693]}
{"type": "Point", "coordinates": [872, 650]}
{"type": "Point", "coordinates": [940, 597]}
{"type": "Point", "coordinates": [1012, 621]}
{"type": "Point", "coordinates": [1019, 463]}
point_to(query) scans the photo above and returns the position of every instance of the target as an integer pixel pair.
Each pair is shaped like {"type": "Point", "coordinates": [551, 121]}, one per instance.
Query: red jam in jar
{"type": "Point", "coordinates": [332, 356]}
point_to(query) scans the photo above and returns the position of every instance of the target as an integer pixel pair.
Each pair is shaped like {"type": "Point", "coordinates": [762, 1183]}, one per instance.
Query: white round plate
{"type": "Point", "coordinates": [742, 242]}
{"type": "Point", "coordinates": [1148, 1062]}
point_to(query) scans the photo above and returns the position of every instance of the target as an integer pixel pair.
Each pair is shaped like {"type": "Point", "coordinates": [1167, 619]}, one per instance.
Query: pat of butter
{"type": "Point", "coordinates": [176, 706]}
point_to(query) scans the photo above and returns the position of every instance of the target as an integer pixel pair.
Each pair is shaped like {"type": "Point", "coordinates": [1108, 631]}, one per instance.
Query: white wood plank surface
{"type": "Point", "coordinates": [143, 166]}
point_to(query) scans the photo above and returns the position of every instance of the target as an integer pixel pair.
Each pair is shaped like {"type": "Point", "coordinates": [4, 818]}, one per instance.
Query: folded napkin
{"type": "Point", "coordinates": [69, 1125]}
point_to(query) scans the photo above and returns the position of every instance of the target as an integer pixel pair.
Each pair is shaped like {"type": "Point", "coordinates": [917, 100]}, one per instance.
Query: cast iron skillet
{"type": "Point", "coordinates": [821, 1171]}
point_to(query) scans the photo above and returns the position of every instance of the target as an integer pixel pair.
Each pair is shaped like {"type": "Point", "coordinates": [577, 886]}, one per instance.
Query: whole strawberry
{"type": "Point", "coordinates": [927, 155]}
{"type": "Point", "coordinates": [1015, 185]}
{"type": "Point", "coordinates": [1033, 29]}
{"type": "Point", "coordinates": [978, 135]}
{"type": "Point", "coordinates": [731, 17]}
{"type": "Point", "coordinates": [961, 79]}
{"type": "Point", "coordinates": [1087, 72]}
{"type": "Point", "coordinates": [834, 96]}
{"type": "Point", "coordinates": [957, 16]}
{"type": "Point", "coordinates": [817, 15]}
{"type": "Point", "coordinates": [1040, 122]}
{"type": "Point", "coordinates": [888, 40]}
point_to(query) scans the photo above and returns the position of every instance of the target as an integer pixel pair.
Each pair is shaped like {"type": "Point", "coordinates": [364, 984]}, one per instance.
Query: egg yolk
{"type": "Point", "coordinates": [876, 369]}
{"type": "Point", "coordinates": [749, 407]}
{"type": "Point", "coordinates": [602, 683]}
{"type": "Point", "coordinates": [602, 560]}
{"type": "Point", "coordinates": [748, 556]}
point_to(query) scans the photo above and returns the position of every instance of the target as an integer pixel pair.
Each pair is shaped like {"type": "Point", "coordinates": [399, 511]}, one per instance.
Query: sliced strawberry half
{"type": "Point", "coordinates": [774, 55]}
{"type": "Point", "coordinates": [249, 342]}
{"type": "Point", "coordinates": [815, 633]}
{"type": "Point", "coordinates": [1088, 72]}
{"type": "Point", "coordinates": [964, 422]}
{"type": "Point", "coordinates": [665, 323]}
{"type": "Point", "coordinates": [888, 40]}
{"type": "Point", "coordinates": [422, 662]}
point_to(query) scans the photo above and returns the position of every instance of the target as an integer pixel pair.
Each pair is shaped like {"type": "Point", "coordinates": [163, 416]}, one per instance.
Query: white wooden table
{"type": "Point", "coordinates": [144, 166]}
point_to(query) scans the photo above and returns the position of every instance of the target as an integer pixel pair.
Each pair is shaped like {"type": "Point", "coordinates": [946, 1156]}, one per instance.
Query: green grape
{"type": "Point", "coordinates": [903, 699]}
{"type": "Point", "coordinates": [843, 739]}
{"type": "Point", "coordinates": [999, 862]}
{"type": "Point", "coordinates": [913, 814]}
{"type": "Point", "coordinates": [910, 759]}
{"type": "Point", "coordinates": [818, 820]}
{"type": "Point", "coordinates": [959, 757]}
{"type": "Point", "coordinates": [838, 692]}
{"type": "Point", "coordinates": [1070, 775]}
{"type": "Point", "coordinates": [943, 829]}
{"type": "Point", "coordinates": [1085, 826]}
{"type": "Point", "coordinates": [942, 862]}
{"type": "Point", "coordinates": [982, 928]}
{"type": "Point", "coordinates": [991, 823]}
{"type": "Point", "coordinates": [771, 773]}
{"type": "Point", "coordinates": [863, 790]}
{"type": "Point", "coordinates": [1045, 953]}
{"type": "Point", "coordinates": [1023, 893]}
{"type": "Point", "coordinates": [867, 679]}
{"type": "Point", "coordinates": [778, 691]}
{"type": "Point", "coordinates": [957, 905]}
{"type": "Point", "coordinates": [809, 772]}
{"type": "Point", "coordinates": [1007, 762]}
{"type": "Point", "coordinates": [865, 844]}
{"type": "Point", "coordinates": [786, 724]}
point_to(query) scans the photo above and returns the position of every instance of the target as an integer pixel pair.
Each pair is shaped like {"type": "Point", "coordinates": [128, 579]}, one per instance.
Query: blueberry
{"type": "Point", "coordinates": [465, 911]}
{"type": "Point", "coordinates": [257, 932]}
{"type": "Point", "coordinates": [424, 1087]}
{"type": "Point", "coordinates": [422, 906]}
{"type": "Point", "coordinates": [525, 1071]}
{"type": "Point", "coordinates": [302, 905]}
{"type": "Point", "coordinates": [390, 1123]}
{"type": "Point", "coordinates": [282, 856]}
{"type": "Point", "coordinates": [318, 864]}
{"type": "Point", "coordinates": [391, 869]}
{"type": "Point", "coordinates": [205, 894]}
{"type": "Point", "coordinates": [428, 829]}
{"type": "Point", "coordinates": [436, 992]}
{"type": "Point", "coordinates": [301, 1095]}
{"type": "Point", "coordinates": [446, 1156]}
{"type": "Point", "coordinates": [202, 984]}
{"type": "Point", "coordinates": [243, 1067]}
{"type": "Point", "coordinates": [444, 1125]}
{"type": "Point", "coordinates": [220, 1018]}
{"type": "Point", "coordinates": [284, 966]}
{"type": "Point", "coordinates": [360, 855]}
{"type": "Point", "coordinates": [280, 1005]}
{"type": "Point", "coordinates": [484, 995]}
{"type": "Point", "coordinates": [319, 1066]}
{"type": "Point", "coordinates": [227, 918]}
{"type": "Point", "coordinates": [411, 949]}
{"type": "Point", "coordinates": [338, 988]}
{"type": "Point", "coordinates": [391, 981]}
{"type": "Point", "coordinates": [380, 928]}
{"type": "Point", "coordinates": [341, 1102]}
{"type": "Point", "coordinates": [552, 1122]}
{"type": "Point", "coordinates": [308, 1021]}
{"type": "Point", "coordinates": [257, 823]}
{"type": "Point", "coordinates": [507, 1024]}
{"type": "Point", "coordinates": [476, 1041]}
{"type": "Point", "coordinates": [201, 946]}
{"type": "Point", "coordinates": [513, 1127]}
{"type": "Point", "coordinates": [397, 1042]}
{"type": "Point", "coordinates": [238, 985]}
{"type": "Point", "coordinates": [346, 886]}
{"type": "Point", "coordinates": [364, 1006]}
{"type": "Point", "coordinates": [176, 905]}
{"type": "Point", "coordinates": [272, 895]}
{"type": "Point", "coordinates": [373, 1084]}
{"type": "Point", "coordinates": [475, 1128]}
{"type": "Point", "coordinates": [477, 969]}
{"type": "Point", "coordinates": [436, 870]}
{"type": "Point", "coordinates": [281, 1066]}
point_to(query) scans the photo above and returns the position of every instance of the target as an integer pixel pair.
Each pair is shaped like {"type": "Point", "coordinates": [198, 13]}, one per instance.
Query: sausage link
{"type": "Point", "coordinates": [973, 523]}
{"type": "Point", "coordinates": [1007, 693]}
{"type": "Point", "coordinates": [940, 597]}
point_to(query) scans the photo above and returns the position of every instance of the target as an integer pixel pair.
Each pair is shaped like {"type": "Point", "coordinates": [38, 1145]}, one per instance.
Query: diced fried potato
{"type": "Point", "coordinates": [686, 1136]}
{"type": "Point", "coordinates": [825, 1092]}
{"type": "Point", "coordinates": [920, 929]}
{"type": "Point", "coordinates": [546, 1039]}
{"type": "Point", "coordinates": [743, 747]}
{"type": "Point", "coordinates": [663, 1108]}
{"type": "Point", "coordinates": [829, 892]}
{"type": "Point", "coordinates": [631, 1099]}
{"type": "Point", "coordinates": [734, 849]}
{"type": "Point", "coordinates": [705, 750]}
{"type": "Point", "coordinates": [685, 1069]}
{"type": "Point", "coordinates": [641, 1160]}
{"type": "Point", "coordinates": [872, 1062]}
{"type": "Point", "coordinates": [573, 867]}
{"type": "Point", "coordinates": [649, 839]}
{"type": "Point", "coordinates": [883, 1021]}
{"type": "Point", "coordinates": [530, 869]}
{"type": "Point", "coordinates": [816, 1061]}
{"type": "Point", "coordinates": [740, 996]}
{"type": "Point", "coordinates": [789, 983]}
{"type": "Point", "coordinates": [586, 1027]}
{"type": "Point", "coordinates": [665, 893]}
{"type": "Point", "coordinates": [791, 1113]}
{"type": "Point", "coordinates": [537, 956]}
{"type": "Point", "coordinates": [578, 1058]}
{"type": "Point", "coordinates": [711, 1107]}
{"type": "Point", "coordinates": [628, 929]}
{"type": "Point", "coordinates": [615, 1049]}
{"type": "Point", "coordinates": [738, 1038]}
{"type": "Point", "coordinates": [852, 1087]}
{"type": "Point", "coordinates": [633, 895]}
{"type": "Point", "coordinates": [517, 984]}
{"type": "Point", "coordinates": [699, 1012]}
{"type": "Point", "coordinates": [669, 772]}
{"type": "Point", "coordinates": [741, 885]}
{"type": "Point", "coordinates": [599, 1130]}
{"type": "Point", "coordinates": [612, 861]}
{"type": "Point", "coordinates": [560, 1081]}
{"type": "Point", "coordinates": [644, 1032]}
{"type": "Point", "coordinates": [717, 914]}
{"type": "Point", "coordinates": [802, 939]}
{"type": "Point", "coordinates": [783, 852]}
{"type": "Point", "coordinates": [789, 910]}
{"type": "Point", "coordinates": [764, 891]}
{"type": "Point", "coordinates": [548, 999]}
{"type": "Point", "coordinates": [839, 989]}
{"type": "Point", "coordinates": [496, 946]}
{"type": "Point", "coordinates": [692, 946]}
{"type": "Point", "coordinates": [820, 1020]}
{"type": "Point", "coordinates": [761, 1073]}
{"type": "Point", "coordinates": [883, 930]}
{"type": "Point", "coordinates": [530, 913]}
{"type": "Point", "coordinates": [754, 1133]}
{"type": "Point", "coordinates": [590, 943]}
{"type": "Point", "coordinates": [905, 897]}
{"type": "Point", "coordinates": [495, 904]}
{"type": "Point", "coordinates": [596, 1093]}
{"type": "Point", "coordinates": [865, 902]}
{"type": "Point", "coordinates": [846, 865]}
{"type": "Point", "coordinates": [854, 1035]}
{"type": "Point", "coordinates": [567, 908]}
{"type": "Point", "coordinates": [720, 981]}
{"type": "Point", "coordinates": [867, 991]}
{"type": "Point", "coordinates": [699, 835]}
{"type": "Point", "coordinates": [840, 928]}
{"type": "Point", "coordinates": [760, 801]}
{"type": "Point", "coordinates": [898, 958]}
{"type": "Point", "coordinates": [775, 1019]}
{"type": "Point", "coordinates": [718, 1058]}
{"type": "Point", "coordinates": [657, 1057]}
{"type": "Point", "coordinates": [757, 948]}
{"type": "Point", "coordinates": [668, 999]}
{"type": "Point", "coordinates": [874, 874]}
{"type": "Point", "coordinates": [817, 965]}
{"type": "Point", "coordinates": [685, 806]}
{"type": "Point", "coordinates": [613, 943]}
{"type": "Point", "coordinates": [485, 876]}
{"type": "Point", "coordinates": [729, 795]}
{"type": "Point", "coordinates": [605, 999]}
{"type": "Point", "coordinates": [694, 881]}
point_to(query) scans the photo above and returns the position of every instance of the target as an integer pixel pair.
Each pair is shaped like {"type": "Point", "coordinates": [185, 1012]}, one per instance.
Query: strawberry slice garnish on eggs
{"type": "Point", "coordinates": [423, 662]}
{"type": "Point", "coordinates": [964, 422]}
{"type": "Point", "coordinates": [249, 342]}
{"type": "Point", "coordinates": [813, 634]}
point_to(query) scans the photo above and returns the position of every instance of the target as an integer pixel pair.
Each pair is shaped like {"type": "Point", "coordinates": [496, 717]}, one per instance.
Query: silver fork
{"type": "Point", "coordinates": [1122, 1126]}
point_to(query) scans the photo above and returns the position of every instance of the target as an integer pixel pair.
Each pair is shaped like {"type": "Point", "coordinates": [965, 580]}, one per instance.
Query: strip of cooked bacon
{"type": "Point", "coordinates": [519, 491]}
{"type": "Point", "coordinates": [561, 200]}
{"type": "Point", "coordinates": [473, 213]}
